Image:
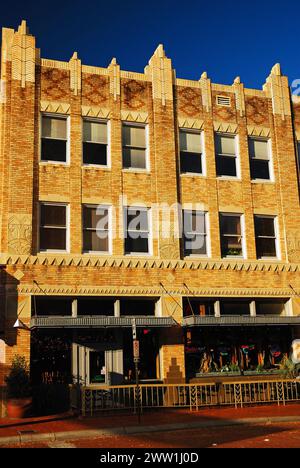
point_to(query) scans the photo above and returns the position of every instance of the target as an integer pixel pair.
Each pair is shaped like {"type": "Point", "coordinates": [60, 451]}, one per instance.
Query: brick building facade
{"type": "Point", "coordinates": [159, 139]}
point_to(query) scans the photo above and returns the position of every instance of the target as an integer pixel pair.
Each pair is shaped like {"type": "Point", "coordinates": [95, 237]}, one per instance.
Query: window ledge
{"type": "Point", "coordinates": [54, 163]}
{"type": "Point", "coordinates": [268, 259]}
{"type": "Point", "coordinates": [231, 178]}
{"type": "Point", "coordinates": [138, 255]}
{"type": "Point", "coordinates": [262, 181]}
{"type": "Point", "coordinates": [195, 256]}
{"type": "Point", "coordinates": [192, 174]}
{"type": "Point", "coordinates": [96, 166]}
{"type": "Point", "coordinates": [137, 171]}
{"type": "Point", "coordinates": [96, 253]}
{"type": "Point", "coordinates": [42, 252]}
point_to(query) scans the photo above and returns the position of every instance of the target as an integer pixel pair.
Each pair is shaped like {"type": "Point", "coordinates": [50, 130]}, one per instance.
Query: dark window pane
{"type": "Point", "coordinates": [94, 217]}
{"type": "Point", "coordinates": [235, 308]}
{"type": "Point", "coordinates": [195, 245]}
{"type": "Point", "coordinates": [95, 306]}
{"type": "Point", "coordinates": [92, 241]}
{"type": "Point", "coordinates": [137, 219]}
{"type": "Point", "coordinates": [231, 246]}
{"type": "Point", "coordinates": [259, 169]}
{"type": "Point", "coordinates": [194, 221]}
{"type": "Point", "coordinates": [137, 307]}
{"type": "Point", "coordinates": [94, 153]}
{"type": "Point", "coordinates": [230, 224]}
{"type": "Point", "coordinates": [226, 166]}
{"type": "Point", "coordinates": [53, 215]}
{"type": "Point", "coordinates": [265, 247]}
{"type": "Point", "coordinates": [270, 307]}
{"type": "Point", "coordinates": [51, 238]}
{"type": "Point", "coordinates": [190, 162]}
{"type": "Point", "coordinates": [134, 158]}
{"type": "Point", "coordinates": [139, 245]}
{"type": "Point", "coordinates": [54, 150]}
{"type": "Point", "coordinates": [264, 226]}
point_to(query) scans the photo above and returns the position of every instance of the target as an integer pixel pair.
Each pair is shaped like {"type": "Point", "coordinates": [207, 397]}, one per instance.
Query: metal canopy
{"type": "Point", "coordinates": [239, 320]}
{"type": "Point", "coordinates": [100, 321]}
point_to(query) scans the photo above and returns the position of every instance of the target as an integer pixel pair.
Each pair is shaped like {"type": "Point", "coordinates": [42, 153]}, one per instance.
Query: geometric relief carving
{"type": "Point", "coordinates": [189, 101]}
{"type": "Point", "coordinates": [225, 127]}
{"type": "Point", "coordinates": [95, 111]}
{"type": "Point", "coordinates": [19, 234]}
{"type": "Point", "coordinates": [134, 94]}
{"type": "Point", "coordinates": [258, 131]}
{"type": "Point", "coordinates": [190, 123]}
{"type": "Point", "coordinates": [55, 84]}
{"type": "Point", "coordinates": [55, 107]}
{"type": "Point", "coordinates": [134, 116]}
{"type": "Point", "coordinates": [293, 246]}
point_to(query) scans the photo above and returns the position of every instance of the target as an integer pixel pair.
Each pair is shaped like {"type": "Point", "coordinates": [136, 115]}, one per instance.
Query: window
{"type": "Point", "coordinates": [134, 146]}
{"type": "Point", "coordinates": [259, 159]}
{"type": "Point", "coordinates": [197, 306]}
{"type": "Point", "coordinates": [265, 236]}
{"type": "Point", "coordinates": [190, 152]}
{"type": "Point", "coordinates": [226, 159]}
{"type": "Point", "coordinates": [235, 307]}
{"type": "Point", "coordinates": [231, 235]}
{"type": "Point", "coordinates": [194, 232]}
{"type": "Point", "coordinates": [95, 229]}
{"type": "Point", "coordinates": [53, 226]}
{"type": "Point", "coordinates": [271, 307]}
{"type": "Point", "coordinates": [54, 138]}
{"type": "Point", "coordinates": [136, 230]}
{"type": "Point", "coordinates": [94, 142]}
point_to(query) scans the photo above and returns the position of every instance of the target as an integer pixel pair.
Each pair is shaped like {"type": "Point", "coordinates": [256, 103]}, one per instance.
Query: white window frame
{"type": "Point", "coordinates": [235, 136]}
{"type": "Point", "coordinates": [207, 235]}
{"type": "Point", "coordinates": [108, 145]}
{"type": "Point", "coordinates": [202, 154]}
{"type": "Point", "coordinates": [147, 148]}
{"type": "Point", "coordinates": [150, 227]}
{"type": "Point", "coordinates": [277, 240]}
{"type": "Point", "coordinates": [99, 252]}
{"type": "Point", "coordinates": [68, 125]}
{"type": "Point", "coordinates": [243, 232]}
{"type": "Point", "coordinates": [270, 161]}
{"type": "Point", "coordinates": [67, 205]}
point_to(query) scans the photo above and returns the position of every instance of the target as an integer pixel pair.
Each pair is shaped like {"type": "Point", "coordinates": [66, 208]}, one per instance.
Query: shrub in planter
{"type": "Point", "coordinates": [18, 388]}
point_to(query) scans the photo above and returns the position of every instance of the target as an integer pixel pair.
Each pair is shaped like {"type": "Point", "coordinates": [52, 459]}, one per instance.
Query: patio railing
{"type": "Point", "coordinates": [191, 396]}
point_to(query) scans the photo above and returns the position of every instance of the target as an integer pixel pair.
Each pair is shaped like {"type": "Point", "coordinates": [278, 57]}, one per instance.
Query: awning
{"type": "Point", "coordinates": [100, 321]}
{"type": "Point", "coordinates": [239, 320]}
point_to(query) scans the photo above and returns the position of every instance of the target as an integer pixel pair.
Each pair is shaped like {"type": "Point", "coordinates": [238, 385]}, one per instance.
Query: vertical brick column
{"type": "Point", "coordinates": [116, 154]}
{"type": "Point", "coordinates": [75, 156]}
{"type": "Point", "coordinates": [245, 168]}
{"type": "Point", "coordinates": [18, 148]}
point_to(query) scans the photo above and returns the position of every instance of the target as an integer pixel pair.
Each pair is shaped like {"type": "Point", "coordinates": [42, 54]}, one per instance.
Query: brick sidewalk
{"type": "Point", "coordinates": [66, 422]}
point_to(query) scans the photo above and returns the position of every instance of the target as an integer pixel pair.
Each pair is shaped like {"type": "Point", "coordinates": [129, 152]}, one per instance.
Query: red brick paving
{"type": "Point", "coordinates": [283, 435]}
{"type": "Point", "coordinates": [59, 423]}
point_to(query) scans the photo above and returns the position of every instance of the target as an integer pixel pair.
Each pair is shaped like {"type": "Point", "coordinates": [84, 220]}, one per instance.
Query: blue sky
{"type": "Point", "coordinates": [225, 38]}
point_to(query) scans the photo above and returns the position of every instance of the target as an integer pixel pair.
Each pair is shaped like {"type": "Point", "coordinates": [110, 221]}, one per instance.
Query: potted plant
{"type": "Point", "coordinates": [18, 388]}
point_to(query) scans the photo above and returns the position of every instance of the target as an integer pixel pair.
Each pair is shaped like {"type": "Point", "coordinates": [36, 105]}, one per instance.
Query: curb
{"type": "Point", "coordinates": [123, 430]}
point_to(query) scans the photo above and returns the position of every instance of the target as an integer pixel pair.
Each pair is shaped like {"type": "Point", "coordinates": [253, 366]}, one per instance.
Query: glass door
{"type": "Point", "coordinates": [97, 367]}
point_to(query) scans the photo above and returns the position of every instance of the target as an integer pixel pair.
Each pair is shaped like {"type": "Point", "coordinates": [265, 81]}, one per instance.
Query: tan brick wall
{"type": "Point", "coordinates": [158, 99]}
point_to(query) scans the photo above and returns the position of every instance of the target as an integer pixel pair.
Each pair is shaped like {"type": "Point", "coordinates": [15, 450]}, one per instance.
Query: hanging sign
{"type": "Point", "coordinates": [136, 349]}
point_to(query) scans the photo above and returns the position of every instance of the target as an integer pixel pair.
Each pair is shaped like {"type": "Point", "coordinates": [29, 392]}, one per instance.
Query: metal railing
{"type": "Point", "coordinates": [208, 320]}
{"type": "Point", "coordinates": [192, 396]}
{"type": "Point", "coordinates": [100, 321]}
